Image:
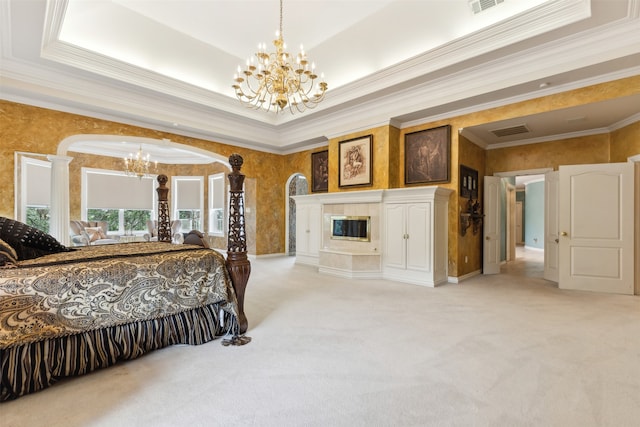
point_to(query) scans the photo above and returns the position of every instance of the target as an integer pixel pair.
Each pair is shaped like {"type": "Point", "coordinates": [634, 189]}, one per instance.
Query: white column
{"type": "Point", "coordinates": [59, 210]}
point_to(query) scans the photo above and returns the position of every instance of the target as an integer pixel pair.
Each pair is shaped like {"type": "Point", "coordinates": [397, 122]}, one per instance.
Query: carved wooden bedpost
{"type": "Point", "coordinates": [237, 262]}
{"type": "Point", "coordinates": [164, 224]}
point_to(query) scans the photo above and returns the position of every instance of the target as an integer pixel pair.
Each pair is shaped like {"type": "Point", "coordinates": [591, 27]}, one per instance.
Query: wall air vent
{"type": "Point", "coordinates": [513, 130]}
{"type": "Point", "coordinates": [478, 6]}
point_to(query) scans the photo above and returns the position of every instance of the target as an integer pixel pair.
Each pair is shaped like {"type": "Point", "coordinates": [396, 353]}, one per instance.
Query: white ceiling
{"type": "Point", "coordinates": [168, 65]}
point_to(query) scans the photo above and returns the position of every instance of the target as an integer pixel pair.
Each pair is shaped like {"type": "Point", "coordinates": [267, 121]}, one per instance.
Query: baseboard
{"type": "Point", "coordinates": [275, 255]}
{"type": "Point", "coordinates": [464, 277]}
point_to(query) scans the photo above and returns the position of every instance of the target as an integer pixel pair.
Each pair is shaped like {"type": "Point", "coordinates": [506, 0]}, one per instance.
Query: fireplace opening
{"type": "Point", "coordinates": [351, 228]}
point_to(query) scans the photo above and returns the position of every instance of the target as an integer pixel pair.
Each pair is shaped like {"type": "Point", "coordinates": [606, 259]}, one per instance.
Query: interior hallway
{"type": "Point", "coordinates": [503, 350]}
{"type": "Point", "coordinates": [528, 262]}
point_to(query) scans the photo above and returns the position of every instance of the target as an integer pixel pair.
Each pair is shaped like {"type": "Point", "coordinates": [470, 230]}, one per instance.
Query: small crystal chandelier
{"type": "Point", "coordinates": [277, 80]}
{"type": "Point", "coordinates": [139, 165]}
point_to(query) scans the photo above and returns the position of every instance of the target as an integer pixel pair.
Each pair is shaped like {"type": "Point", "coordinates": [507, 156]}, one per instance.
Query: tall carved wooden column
{"type": "Point", "coordinates": [164, 224]}
{"type": "Point", "coordinates": [237, 262]}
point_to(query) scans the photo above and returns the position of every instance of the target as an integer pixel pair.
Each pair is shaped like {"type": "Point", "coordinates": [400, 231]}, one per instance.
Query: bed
{"type": "Point", "coordinates": [68, 311]}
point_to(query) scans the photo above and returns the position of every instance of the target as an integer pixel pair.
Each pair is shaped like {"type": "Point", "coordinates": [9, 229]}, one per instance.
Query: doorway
{"type": "Point", "coordinates": [522, 222]}
{"type": "Point", "coordinates": [296, 185]}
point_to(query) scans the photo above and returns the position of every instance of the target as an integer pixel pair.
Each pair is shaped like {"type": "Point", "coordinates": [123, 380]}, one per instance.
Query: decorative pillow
{"type": "Point", "coordinates": [28, 242]}
{"type": "Point", "coordinates": [95, 233]}
{"type": "Point", "coordinates": [8, 256]}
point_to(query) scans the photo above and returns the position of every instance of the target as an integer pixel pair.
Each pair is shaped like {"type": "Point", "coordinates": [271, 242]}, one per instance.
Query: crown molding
{"type": "Point", "coordinates": [544, 18]}
{"type": "Point", "coordinates": [195, 111]}
{"type": "Point", "coordinates": [549, 138]}
{"type": "Point", "coordinates": [624, 123]}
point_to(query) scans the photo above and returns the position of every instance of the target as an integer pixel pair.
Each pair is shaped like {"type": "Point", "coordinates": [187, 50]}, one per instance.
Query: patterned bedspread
{"type": "Point", "coordinates": [102, 286]}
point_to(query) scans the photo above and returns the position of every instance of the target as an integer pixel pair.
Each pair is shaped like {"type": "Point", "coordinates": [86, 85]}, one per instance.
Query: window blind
{"type": "Point", "coordinates": [112, 191]}
{"type": "Point", "coordinates": [188, 193]}
{"type": "Point", "coordinates": [38, 186]}
{"type": "Point", "coordinates": [217, 190]}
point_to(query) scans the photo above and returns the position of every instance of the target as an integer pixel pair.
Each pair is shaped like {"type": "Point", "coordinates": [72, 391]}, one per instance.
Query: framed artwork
{"type": "Point", "coordinates": [468, 182]}
{"type": "Point", "coordinates": [355, 162]}
{"type": "Point", "coordinates": [426, 156]}
{"type": "Point", "coordinates": [320, 171]}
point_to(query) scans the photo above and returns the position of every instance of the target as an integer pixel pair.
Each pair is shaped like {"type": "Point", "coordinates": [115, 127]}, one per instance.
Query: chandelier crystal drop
{"type": "Point", "coordinates": [138, 165]}
{"type": "Point", "coordinates": [278, 80]}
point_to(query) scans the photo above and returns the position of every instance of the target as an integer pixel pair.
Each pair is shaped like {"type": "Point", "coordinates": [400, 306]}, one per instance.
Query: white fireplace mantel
{"type": "Point", "coordinates": [367, 196]}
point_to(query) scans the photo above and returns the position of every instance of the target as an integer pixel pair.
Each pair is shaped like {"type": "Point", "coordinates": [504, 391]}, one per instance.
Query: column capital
{"type": "Point", "coordinates": [58, 158]}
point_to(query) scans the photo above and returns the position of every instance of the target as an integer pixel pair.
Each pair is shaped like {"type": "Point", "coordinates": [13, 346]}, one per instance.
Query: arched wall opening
{"type": "Point", "coordinates": [115, 147]}
{"type": "Point", "coordinates": [296, 185]}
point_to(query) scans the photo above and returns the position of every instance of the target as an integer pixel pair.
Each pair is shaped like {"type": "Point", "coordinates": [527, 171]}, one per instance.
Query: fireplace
{"type": "Point", "coordinates": [351, 228]}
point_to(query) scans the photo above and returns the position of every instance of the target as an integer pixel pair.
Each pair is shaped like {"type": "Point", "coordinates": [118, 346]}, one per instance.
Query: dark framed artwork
{"type": "Point", "coordinates": [355, 165]}
{"type": "Point", "coordinates": [468, 182]}
{"type": "Point", "coordinates": [426, 156]}
{"type": "Point", "coordinates": [320, 171]}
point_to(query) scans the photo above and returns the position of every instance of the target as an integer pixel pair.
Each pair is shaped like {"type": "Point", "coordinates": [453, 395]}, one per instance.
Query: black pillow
{"type": "Point", "coordinates": [28, 242]}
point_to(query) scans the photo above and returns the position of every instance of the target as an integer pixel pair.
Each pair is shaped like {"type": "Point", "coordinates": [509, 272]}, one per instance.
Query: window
{"type": "Point", "coordinates": [216, 204]}
{"type": "Point", "coordinates": [36, 192]}
{"type": "Point", "coordinates": [188, 201]}
{"type": "Point", "coordinates": [132, 221]}
{"type": "Point", "coordinates": [125, 202]}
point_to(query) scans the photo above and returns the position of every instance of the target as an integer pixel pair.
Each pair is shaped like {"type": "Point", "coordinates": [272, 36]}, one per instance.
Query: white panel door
{"type": "Point", "coordinates": [551, 227]}
{"type": "Point", "coordinates": [596, 227]}
{"type": "Point", "coordinates": [302, 229]}
{"type": "Point", "coordinates": [395, 235]}
{"type": "Point", "coordinates": [315, 229]}
{"type": "Point", "coordinates": [419, 236]}
{"type": "Point", "coordinates": [308, 229]}
{"type": "Point", "coordinates": [491, 245]}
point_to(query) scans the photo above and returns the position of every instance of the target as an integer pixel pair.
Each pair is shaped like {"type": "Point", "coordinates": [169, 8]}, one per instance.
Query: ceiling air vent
{"type": "Point", "coordinates": [478, 6]}
{"type": "Point", "coordinates": [513, 130]}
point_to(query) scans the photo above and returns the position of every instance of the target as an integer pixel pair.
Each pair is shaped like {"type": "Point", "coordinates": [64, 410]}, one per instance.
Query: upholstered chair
{"type": "Point", "coordinates": [152, 234]}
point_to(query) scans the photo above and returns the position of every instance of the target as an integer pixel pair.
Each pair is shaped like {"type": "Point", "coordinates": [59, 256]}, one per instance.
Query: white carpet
{"type": "Point", "coordinates": [505, 350]}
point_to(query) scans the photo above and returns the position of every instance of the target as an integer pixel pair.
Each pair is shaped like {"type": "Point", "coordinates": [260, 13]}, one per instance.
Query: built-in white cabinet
{"type": "Point", "coordinates": [308, 230]}
{"type": "Point", "coordinates": [415, 235]}
{"type": "Point", "coordinates": [408, 236]}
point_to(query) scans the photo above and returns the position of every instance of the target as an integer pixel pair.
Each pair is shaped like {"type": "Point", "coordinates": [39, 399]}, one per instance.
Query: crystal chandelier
{"type": "Point", "coordinates": [139, 165]}
{"type": "Point", "coordinates": [278, 80]}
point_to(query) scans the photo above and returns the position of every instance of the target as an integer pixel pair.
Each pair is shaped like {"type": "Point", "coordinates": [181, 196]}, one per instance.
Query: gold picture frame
{"type": "Point", "coordinates": [355, 165]}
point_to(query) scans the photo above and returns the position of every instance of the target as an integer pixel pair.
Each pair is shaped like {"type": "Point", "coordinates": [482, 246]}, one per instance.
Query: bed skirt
{"type": "Point", "coordinates": [31, 367]}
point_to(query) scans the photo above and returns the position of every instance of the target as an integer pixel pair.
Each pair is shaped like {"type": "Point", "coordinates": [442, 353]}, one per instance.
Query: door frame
{"type": "Point", "coordinates": [636, 160]}
{"type": "Point", "coordinates": [511, 222]}
{"type": "Point", "coordinates": [540, 171]}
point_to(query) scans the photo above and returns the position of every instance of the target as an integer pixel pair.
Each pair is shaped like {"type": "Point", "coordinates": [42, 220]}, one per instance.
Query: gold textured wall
{"type": "Point", "coordinates": [576, 151]}
{"type": "Point", "coordinates": [625, 142]}
{"type": "Point", "coordinates": [38, 130]}
{"type": "Point", "coordinates": [379, 152]}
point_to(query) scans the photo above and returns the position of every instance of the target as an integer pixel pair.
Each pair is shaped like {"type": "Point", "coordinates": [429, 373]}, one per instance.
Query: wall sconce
{"type": "Point", "coordinates": [471, 217]}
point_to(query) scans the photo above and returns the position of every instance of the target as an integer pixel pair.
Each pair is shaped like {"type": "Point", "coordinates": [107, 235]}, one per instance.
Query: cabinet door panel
{"type": "Point", "coordinates": [315, 229]}
{"type": "Point", "coordinates": [419, 237]}
{"type": "Point", "coordinates": [394, 234]}
{"type": "Point", "coordinates": [302, 222]}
